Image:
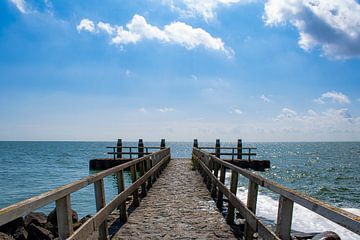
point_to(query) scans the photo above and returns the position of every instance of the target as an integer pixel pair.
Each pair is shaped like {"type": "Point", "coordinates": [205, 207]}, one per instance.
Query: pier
{"type": "Point", "coordinates": [171, 198]}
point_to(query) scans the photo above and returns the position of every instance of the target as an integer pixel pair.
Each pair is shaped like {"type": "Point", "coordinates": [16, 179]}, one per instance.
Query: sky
{"type": "Point", "coordinates": [260, 70]}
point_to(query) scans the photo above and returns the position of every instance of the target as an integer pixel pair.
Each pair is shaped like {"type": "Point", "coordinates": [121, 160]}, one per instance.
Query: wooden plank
{"type": "Point", "coordinates": [85, 231]}
{"type": "Point", "coordinates": [233, 188]}
{"type": "Point", "coordinates": [100, 203]}
{"type": "Point", "coordinates": [284, 218]}
{"type": "Point", "coordinates": [251, 205]}
{"type": "Point", "coordinates": [64, 217]}
{"type": "Point", "coordinates": [121, 188]}
{"type": "Point", "coordinates": [143, 186]}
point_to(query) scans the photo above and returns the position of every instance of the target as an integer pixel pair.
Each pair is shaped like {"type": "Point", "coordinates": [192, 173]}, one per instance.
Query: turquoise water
{"type": "Point", "coordinates": [328, 171]}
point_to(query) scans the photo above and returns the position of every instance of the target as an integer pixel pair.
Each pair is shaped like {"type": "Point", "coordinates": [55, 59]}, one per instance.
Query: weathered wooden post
{"type": "Point", "coordinates": [162, 144]}
{"type": "Point", "coordinates": [233, 188]}
{"type": "Point", "coordinates": [136, 191]}
{"type": "Point", "coordinates": [239, 149]}
{"type": "Point", "coordinates": [251, 205]}
{"type": "Point", "coordinates": [140, 148]}
{"type": "Point", "coordinates": [121, 187]}
{"type": "Point", "coordinates": [219, 201]}
{"type": "Point", "coordinates": [196, 144]}
{"type": "Point", "coordinates": [100, 203]}
{"type": "Point", "coordinates": [284, 218]}
{"type": "Point", "coordinates": [217, 148]}
{"type": "Point", "coordinates": [119, 148]}
{"type": "Point", "coordinates": [64, 217]}
{"type": "Point", "coordinates": [142, 173]}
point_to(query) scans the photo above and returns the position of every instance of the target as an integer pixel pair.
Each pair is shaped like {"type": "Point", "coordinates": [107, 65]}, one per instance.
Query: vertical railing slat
{"type": "Point", "coordinates": [220, 195]}
{"type": "Point", "coordinates": [136, 201]}
{"type": "Point", "coordinates": [100, 203]}
{"type": "Point", "coordinates": [284, 218]}
{"type": "Point", "coordinates": [233, 188]}
{"type": "Point", "coordinates": [64, 217]}
{"type": "Point", "coordinates": [251, 205]}
{"type": "Point", "coordinates": [121, 187]}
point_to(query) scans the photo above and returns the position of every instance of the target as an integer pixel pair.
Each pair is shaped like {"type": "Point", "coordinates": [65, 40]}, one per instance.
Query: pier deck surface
{"type": "Point", "coordinates": [178, 206]}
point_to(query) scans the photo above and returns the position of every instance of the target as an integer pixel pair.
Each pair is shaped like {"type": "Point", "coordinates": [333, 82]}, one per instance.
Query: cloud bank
{"type": "Point", "coordinates": [334, 26]}
{"type": "Point", "coordinates": [174, 33]}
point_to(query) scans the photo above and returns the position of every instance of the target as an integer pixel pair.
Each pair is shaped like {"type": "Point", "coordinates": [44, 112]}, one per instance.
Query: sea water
{"type": "Point", "coordinates": [328, 171]}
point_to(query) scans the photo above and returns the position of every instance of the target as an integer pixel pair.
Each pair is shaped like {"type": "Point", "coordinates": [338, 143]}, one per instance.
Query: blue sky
{"type": "Point", "coordinates": [274, 70]}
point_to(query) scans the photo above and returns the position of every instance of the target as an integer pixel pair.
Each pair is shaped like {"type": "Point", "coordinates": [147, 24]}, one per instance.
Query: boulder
{"type": "Point", "coordinates": [4, 236]}
{"type": "Point", "coordinates": [81, 222]}
{"type": "Point", "coordinates": [36, 218]}
{"type": "Point", "coordinates": [11, 227]}
{"type": "Point", "coordinates": [39, 233]}
{"type": "Point", "coordinates": [328, 235]}
{"type": "Point", "coordinates": [20, 233]}
{"type": "Point", "coordinates": [52, 217]}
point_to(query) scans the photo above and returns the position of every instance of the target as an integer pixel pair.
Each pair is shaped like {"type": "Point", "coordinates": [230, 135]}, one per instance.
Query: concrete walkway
{"type": "Point", "coordinates": [178, 206]}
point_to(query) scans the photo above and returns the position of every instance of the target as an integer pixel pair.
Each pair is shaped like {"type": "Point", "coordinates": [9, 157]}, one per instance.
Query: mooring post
{"type": "Point", "coordinates": [233, 188]}
{"type": "Point", "coordinates": [121, 187]}
{"type": "Point", "coordinates": [196, 144]}
{"type": "Point", "coordinates": [140, 148]}
{"type": "Point", "coordinates": [119, 148]}
{"type": "Point", "coordinates": [251, 205]}
{"type": "Point", "coordinates": [239, 149]}
{"type": "Point", "coordinates": [162, 144]}
{"type": "Point", "coordinates": [217, 148]}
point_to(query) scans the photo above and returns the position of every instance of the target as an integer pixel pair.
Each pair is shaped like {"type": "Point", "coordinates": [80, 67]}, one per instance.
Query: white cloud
{"type": "Point", "coordinates": [177, 33]}
{"type": "Point", "coordinates": [166, 109]}
{"type": "Point", "coordinates": [236, 111]}
{"type": "Point", "coordinates": [335, 97]}
{"type": "Point", "coordinates": [20, 5]}
{"type": "Point", "coordinates": [86, 25]}
{"type": "Point", "coordinates": [204, 8]}
{"type": "Point", "coordinates": [286, 113]}
{"type": "Point", "coordinates": [106, 27]}
{"type": "Point", "coordinates": [264, 98]}
{"type": "Point", "coordinates": [332, 25]}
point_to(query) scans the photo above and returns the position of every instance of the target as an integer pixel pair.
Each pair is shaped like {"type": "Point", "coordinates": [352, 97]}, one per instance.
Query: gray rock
{"type": "Point", "coordinates": [37, 218]}
{"type": "Point", "coordinates": [20, 233]}
{"type": "Point", "coordinates": [52, 217]}
{"type": "Point", "coordinates": [39, 233]}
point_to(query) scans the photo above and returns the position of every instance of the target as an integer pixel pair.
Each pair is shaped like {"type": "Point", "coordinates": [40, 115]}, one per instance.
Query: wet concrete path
{"type": "Point", "coordinates": [178, 206]}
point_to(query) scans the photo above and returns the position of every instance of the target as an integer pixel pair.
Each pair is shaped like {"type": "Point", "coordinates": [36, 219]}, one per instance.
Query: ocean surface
{"type": "Point", "coordinates": [329, 171]}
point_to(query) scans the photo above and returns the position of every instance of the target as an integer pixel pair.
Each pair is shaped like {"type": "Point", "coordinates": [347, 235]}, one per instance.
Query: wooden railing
{"type": "Point", "coordinates": [150, 167]}
{"type": "Point", "coordinates": [210, 166]}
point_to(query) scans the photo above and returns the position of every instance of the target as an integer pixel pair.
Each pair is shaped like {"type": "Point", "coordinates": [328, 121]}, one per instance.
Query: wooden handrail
{"type": "Point", "coordinates": [287, 198]}
{"type": "Point", "coordinates": [61, 195]}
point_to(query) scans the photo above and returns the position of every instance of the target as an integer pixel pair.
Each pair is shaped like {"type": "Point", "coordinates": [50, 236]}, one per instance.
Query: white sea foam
{"type": "Point", "coordinates": [304, 220]}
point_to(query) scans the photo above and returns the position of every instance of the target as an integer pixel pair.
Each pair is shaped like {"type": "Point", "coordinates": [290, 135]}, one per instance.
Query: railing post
{"type": "Point", "coordinates": [136, 201]}
{"type": "Point", "coordinates": [100, 203]}
{"type": "Point", "coordinates": [217, 148]}
{"type": "Point", "coordinates": [121, 187]}
{"type": "Point", "coordinates": [239, 149]}
{"type": "Point", "coordinates": [284, 218]}
{"type": "Point", "coordinates": [216, 173]}
{"type": "Point", "coordinates": [140, 148]}
{"type": "Point", "coordinates": [64, 217]}
{"type": "Point", "coordinates": [233, 188]}
{"type": "Point", "coordinates": [119, 148]}
{"type": "Point", "coordinates": [251, 205]}
{"type": "Point", "coordinates": [219, 201]}
{"type": "Point", "coordinates": [196, 144]}
{"type": "Point", "coordinates": [142, 172]}
{"type": "Point", "coordinates": [162, 144]}
{"type": "Point", "coordinates": [149, 166]}
{"type": "Point", "coordinates": [249, 157]}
